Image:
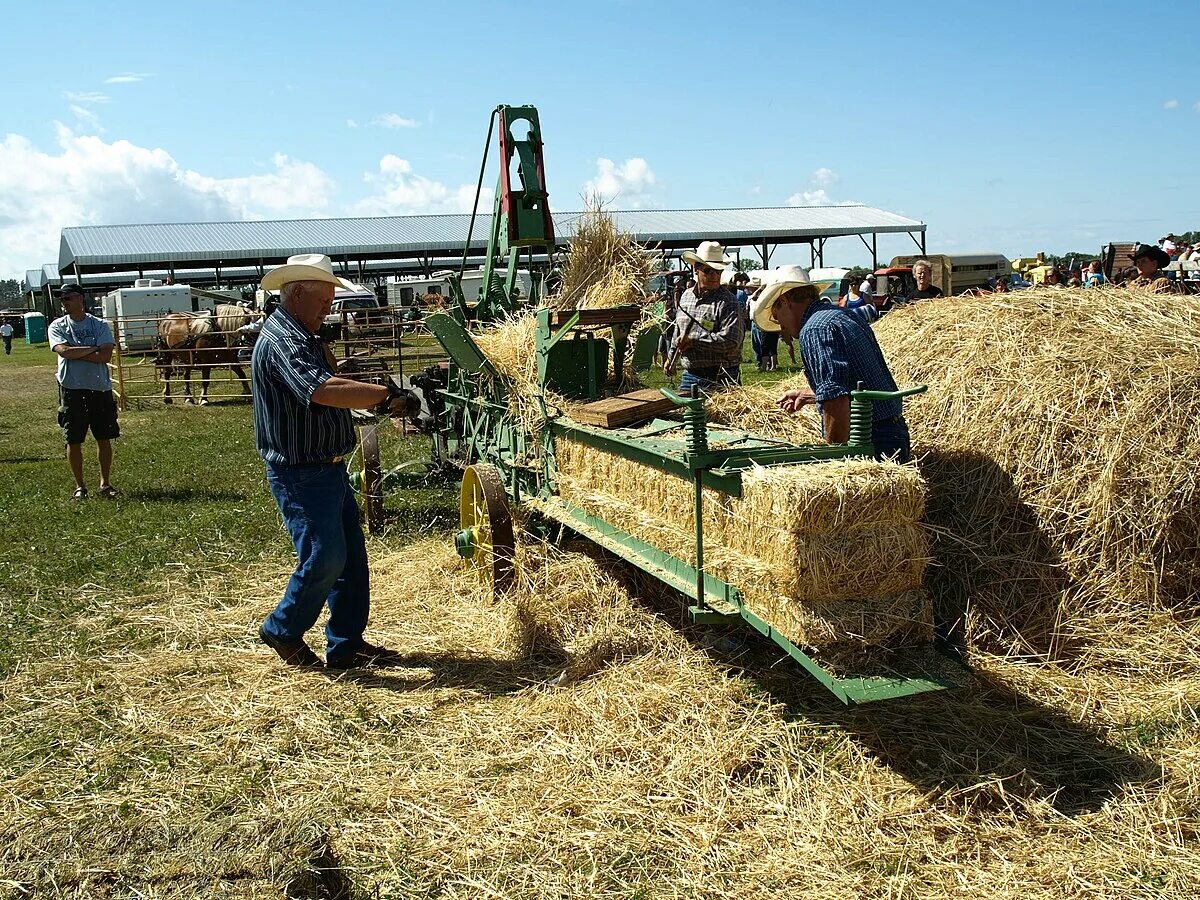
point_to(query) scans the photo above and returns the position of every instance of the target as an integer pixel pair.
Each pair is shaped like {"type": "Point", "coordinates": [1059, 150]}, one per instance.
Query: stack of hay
{"type": "Point", "coordinates": [1060, 439]}
{"type": "Point", "coordinates": [830, 553]}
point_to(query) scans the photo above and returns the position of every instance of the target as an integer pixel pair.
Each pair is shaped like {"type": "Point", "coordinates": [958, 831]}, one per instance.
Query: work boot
{"type": "Point", "coordinates": [294, 653]}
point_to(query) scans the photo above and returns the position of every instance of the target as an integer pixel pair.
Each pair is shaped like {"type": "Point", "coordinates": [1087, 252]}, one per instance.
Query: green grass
{"type": "Point", "coordinates": [194, 499]}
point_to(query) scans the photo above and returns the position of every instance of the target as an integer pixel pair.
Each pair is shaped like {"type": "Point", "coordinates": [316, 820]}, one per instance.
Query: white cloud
{"type": "Point", "coordinates": [816, 195]}
{"type": "Point", "coordinates": [85, 98]}
{"type": "Point", "coordinates": [127, 78]}
{"type": "Point", "coordinates": [810, 198]}
{"type": "Point", "coordinates": [90, 181]}
{"type": "Point", "coordinates": [1196, 106]}
{"type": "Point", "coordinates": [824, 177]}
{"type": "Point", "coordinates": [400, 191]}
{"type": "Point", "coordinates": [350, 123]}
{"type": "Point", "coordinates": [86, 118]}
{"type": "Point", "coordinates": [630, 182]}
{"type": "Point", "coordinates": [393, 120]}
{"type": "Point", "coordinates": [1170, 104]}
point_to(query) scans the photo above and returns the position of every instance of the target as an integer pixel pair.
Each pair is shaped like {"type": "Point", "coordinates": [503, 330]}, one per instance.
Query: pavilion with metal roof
{"type": "Point", "coordinates": [242, 251]}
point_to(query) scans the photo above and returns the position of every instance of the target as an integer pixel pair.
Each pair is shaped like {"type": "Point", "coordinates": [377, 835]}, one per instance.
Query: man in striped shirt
{"type": "Point", "coordinates": [303, 430]}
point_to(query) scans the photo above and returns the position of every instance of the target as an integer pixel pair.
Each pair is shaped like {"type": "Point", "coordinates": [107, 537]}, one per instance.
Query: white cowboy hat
{"type": "Point", "coordinates": [710, 253]}
{"type": "Point", "coordinates": [781, 281]}
{"type": "Point", "coordinates": [304, 267]}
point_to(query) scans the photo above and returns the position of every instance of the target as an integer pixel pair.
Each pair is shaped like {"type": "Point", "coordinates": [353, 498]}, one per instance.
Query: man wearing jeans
{"type": "Point", "coordinates": [709, 331]}
{"type": "Point", "coordinates": [840, 352]}
{"type": "Point", "coordinates": [304, 433]}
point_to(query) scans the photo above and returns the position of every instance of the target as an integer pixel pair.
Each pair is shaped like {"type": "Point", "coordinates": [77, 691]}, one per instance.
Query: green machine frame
{"type": "Point", "coordinates": [478, 427]}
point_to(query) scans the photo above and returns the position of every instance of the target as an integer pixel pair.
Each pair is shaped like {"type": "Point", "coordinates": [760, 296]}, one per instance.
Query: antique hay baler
{"type": "Point", "coordinates": [728, 537]}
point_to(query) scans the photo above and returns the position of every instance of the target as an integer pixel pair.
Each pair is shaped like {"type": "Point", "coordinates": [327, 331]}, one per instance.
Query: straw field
{"type": "Point", "coordinates": [571, 740]}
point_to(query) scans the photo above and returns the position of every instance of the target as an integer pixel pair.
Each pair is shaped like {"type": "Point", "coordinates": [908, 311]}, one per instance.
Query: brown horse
{"type": "Point", "coordinates": [201, 341]}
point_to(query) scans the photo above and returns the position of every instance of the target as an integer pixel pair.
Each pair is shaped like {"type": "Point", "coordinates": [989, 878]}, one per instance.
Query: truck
{"type": "Point", "coordinates": [136, 310]}
{"type": "Point", "coordinates": [955, 273]}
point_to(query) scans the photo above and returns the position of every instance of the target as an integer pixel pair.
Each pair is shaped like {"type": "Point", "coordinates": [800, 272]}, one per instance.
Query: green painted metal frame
{"type": "Point", "coordinates": [724, 605]}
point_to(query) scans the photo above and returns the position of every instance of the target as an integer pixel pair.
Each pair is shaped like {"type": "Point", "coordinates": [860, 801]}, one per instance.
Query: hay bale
{"type": "Point", "coordinates": [813, 547]}
{"type": "Point", "coordinates": [1060, 439]}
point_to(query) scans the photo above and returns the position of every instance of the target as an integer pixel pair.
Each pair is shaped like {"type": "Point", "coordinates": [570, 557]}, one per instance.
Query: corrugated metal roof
{"type": "Point", "coordinates": [400, 236]}
{"type": "Point", "coordinates": [35, 279]}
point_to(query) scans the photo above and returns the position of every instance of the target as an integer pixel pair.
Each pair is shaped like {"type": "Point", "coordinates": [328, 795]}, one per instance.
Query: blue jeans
{"type": "Point", "coordinates": [892, 441]}
{"type": "Point", "coordinates": [707, 385]}
{"type": "Point", "coordinates": [331, 569]}
{"type": "Point", "coordinates": [756, 334]}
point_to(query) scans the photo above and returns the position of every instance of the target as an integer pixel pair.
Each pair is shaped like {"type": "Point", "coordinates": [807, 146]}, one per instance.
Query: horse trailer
{"type": "Point", "coordinates": [137, 309]}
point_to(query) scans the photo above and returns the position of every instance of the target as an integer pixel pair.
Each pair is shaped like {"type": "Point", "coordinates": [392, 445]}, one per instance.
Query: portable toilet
{"type": "Point", "coordinates": [35, 328]}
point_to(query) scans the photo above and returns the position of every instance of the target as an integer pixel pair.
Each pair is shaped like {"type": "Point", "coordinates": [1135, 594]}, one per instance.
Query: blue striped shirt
{"type": "Point", "coordinates": [839, 351]}
{"type": "Point", "coordinates": [288, 365]}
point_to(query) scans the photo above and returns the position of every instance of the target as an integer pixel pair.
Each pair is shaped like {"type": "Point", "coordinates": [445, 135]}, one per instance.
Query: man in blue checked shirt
{"type": "Point", "coordinates": [840, 352]}
{"type": "Point", "coordinates": [303, 430]}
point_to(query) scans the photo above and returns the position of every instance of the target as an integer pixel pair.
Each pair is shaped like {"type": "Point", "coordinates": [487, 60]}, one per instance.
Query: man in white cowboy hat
{"type": "Point", "coordinates": [303, 430]}
{"type": "Point", "coordinates": [708, 325]}
{"type": "Point", "coordinates": [839, 351]}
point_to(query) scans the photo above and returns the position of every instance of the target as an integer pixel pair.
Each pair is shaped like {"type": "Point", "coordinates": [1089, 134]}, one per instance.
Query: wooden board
{"type": "Point", "coordinates": [625, 409]}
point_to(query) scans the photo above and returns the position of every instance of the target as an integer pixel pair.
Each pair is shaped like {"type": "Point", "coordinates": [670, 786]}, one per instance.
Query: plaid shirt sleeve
{"type": "Point", "coordinates": [825, 361]}
{"type": "Point", "coordinates": [717, 332]}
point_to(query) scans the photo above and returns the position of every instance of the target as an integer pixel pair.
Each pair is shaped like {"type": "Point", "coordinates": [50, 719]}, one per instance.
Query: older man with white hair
{"type": "Point", "coordinates": [304, 433]}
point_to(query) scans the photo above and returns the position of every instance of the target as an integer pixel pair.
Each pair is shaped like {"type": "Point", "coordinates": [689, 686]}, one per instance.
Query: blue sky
{"type": "Point", "coordinates": [1015, 128]}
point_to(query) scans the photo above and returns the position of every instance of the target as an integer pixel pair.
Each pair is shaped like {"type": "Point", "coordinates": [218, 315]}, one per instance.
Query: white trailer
{"type": "Point", "coordinates": [136, 309]}
{"type": "Point", "coordinates": [407, 290]}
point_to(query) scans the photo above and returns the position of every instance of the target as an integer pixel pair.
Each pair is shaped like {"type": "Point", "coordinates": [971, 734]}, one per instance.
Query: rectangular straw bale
{"type": "Point", "coordinates": [840, 529]}
{"type": "Point", "coordinates": [839, 628]}
{"type": "Point", "coordinates": [818, 586]}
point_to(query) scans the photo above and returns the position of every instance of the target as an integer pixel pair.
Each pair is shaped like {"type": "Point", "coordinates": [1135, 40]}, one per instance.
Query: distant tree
{"type": "Point", "coordinates": [749, 264]}
{"type": "Point", "coordinates": [1083, 257]}
{"type": "Point", "coordinates": [10, 293]}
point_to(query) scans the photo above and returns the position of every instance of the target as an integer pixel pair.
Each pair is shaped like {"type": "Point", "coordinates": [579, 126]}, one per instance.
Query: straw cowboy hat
{"type": "Point", "coordinates": [304, 267]}
{"type": "Point", "coordinates": [781, 281]}
{"type": "Point", "coordinates": [709, 253]}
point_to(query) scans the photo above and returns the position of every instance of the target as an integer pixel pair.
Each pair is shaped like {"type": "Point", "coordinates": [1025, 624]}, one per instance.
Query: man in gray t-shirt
{"type": "Point", "coordinates": [84, 345]}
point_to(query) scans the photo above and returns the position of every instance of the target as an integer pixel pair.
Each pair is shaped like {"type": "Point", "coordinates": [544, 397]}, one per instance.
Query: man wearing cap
{"type": "Point", "coordinates": [304, 432]}
{"type": "Point", "coordinates": [708, 325]}
{"type": "Point", "coordinates": [1150, 262]}
{"type": "Point", "coordinates": [839, 352]}
{"type": "Point", "coordinates": [84, 345]}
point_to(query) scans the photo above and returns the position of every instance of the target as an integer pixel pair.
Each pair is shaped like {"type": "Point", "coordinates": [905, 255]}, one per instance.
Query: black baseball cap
{"type": "Point", "coordinates": [70, 288]}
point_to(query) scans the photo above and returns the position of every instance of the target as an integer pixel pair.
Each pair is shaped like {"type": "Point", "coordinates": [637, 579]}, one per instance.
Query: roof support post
{"type": "Point", "coordinates": [217, 271]}
{"type": "Point", "coordinates": [812, 254]}
{"type": "Point", "coordinates": [821, 251]}
{"type": "Point", "coordinates": [874, 251]}
{"type": "Point", "coordinates": [920, 243]}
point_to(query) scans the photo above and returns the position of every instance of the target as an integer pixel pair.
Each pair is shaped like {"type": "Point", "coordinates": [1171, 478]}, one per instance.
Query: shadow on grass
{"type": "Point", "coordinates": [982, 747]}
{"type": "Point", "coordinates": [184, 495]}
{"type": "Point", "coordinates": [29, 459]}
{"type": "Point", "coordinates": [489, 675]}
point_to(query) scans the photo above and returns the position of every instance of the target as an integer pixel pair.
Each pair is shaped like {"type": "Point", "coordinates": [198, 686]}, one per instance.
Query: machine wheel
{"type": "Point", "coordinates": [372, 478]}
{"type": "Point", "coordinates": [486, 538]}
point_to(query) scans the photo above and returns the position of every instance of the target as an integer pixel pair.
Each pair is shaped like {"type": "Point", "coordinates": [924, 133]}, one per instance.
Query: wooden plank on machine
{"type": "Point", "coordinates": [624, 410]}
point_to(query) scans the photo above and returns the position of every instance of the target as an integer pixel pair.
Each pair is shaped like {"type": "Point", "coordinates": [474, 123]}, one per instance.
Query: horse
{"type": "Point", "coordinates": [201, 341]}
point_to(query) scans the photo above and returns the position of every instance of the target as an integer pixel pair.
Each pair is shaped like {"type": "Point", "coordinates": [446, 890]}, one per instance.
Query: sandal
{"type": "Point", "coordinates": [109, 492]}
{"type": "Point", "coordinates": [80, 494]}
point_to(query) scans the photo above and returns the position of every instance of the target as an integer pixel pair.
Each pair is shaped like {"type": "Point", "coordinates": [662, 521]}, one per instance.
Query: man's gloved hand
{"type": "Point", "coordinates": [400, 404]}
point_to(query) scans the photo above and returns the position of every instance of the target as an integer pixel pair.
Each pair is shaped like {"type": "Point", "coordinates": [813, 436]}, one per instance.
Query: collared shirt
{"type": "Point", "coordinates": [288, 366]}
{"type": "Point", "coordinates": [839, 351]}
{"type": "Point", "coordinates": [715, 328]}
{"type": "Point", "coordinates": [81, 374]}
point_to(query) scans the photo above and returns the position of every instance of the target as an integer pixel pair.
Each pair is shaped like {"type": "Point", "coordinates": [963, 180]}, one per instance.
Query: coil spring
{"type": "Point", "coordinates": [696, 422]}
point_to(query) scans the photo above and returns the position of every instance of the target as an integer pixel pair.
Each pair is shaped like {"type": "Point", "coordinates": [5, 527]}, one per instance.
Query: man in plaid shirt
{"type": "Point", "coordinates": [709, 329]}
